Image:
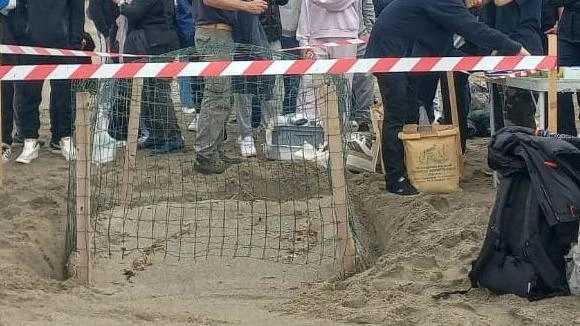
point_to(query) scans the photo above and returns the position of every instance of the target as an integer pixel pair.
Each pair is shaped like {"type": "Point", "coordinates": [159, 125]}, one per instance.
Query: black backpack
{"type": "Point", "coordinates": [523, 252]}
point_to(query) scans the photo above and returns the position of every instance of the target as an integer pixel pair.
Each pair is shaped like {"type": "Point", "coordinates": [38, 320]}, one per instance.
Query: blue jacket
{"type": "Point", "coordinates": [3, 4]}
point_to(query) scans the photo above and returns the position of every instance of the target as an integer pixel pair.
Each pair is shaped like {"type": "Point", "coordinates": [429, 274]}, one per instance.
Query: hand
{"type": "Point", "coordinates": [255, 7]}
{"type": "Point", "coordinates": [307, 54]}
{"type": "Point", "coordinates": [524, 52]}
{"type": "Point", "coordinates": [553, 30]}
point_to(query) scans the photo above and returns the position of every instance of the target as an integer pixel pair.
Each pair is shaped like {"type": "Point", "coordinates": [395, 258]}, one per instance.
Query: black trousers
{"type": "Point", "coordinates": [568, 55]}
{"type": "Point", "coordinates": [28, 96]}
{"type": "Point", "coordinates": [7, 112]}
{"type": "Point", "coordinates": [399, 96]}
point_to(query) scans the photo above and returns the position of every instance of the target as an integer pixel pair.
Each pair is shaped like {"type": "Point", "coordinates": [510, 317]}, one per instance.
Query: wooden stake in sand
{"type": "Point", "coordinates": [455, 117]}
{"type": "Point", "coordinates": [126, 193]}
{"type": "Point", "coordinates": [327, 98]}
{"type": "Point", "coordinates": [83, 188]}
{"type": "Point", "coordinates": [553, 86]}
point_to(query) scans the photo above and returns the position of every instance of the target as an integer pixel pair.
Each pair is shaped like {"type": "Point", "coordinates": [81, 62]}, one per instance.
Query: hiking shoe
{"type": "Point", "coordinates": [29, 152]}
{"type": "Point", "coordinates": [194, 125]}
{"type": "Point", "coordinates": [402, 187]}
{"type": "Point", "coordinates": [6, 152]}
{"type": "Point", "coordinates": [169, 147]}
{"type": "Point", "coordinates": [67, 149]}
{"type": "Point", "coordinates": [205, 166]}
{"type": "Point", "coordinates": [54, 148]}
{"type": "Point", "coordinates": [247, 148]}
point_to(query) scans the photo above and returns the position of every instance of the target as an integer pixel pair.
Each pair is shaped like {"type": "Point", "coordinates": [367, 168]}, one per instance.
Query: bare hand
{"type": "Point", "coordinates": [307, 54]}
{"type": "Point", "coordinates": [553, 30]}
{"type": "Point", "coordinates": [256, 7]}
{"type": "Point", "coordinates": [524, 52]}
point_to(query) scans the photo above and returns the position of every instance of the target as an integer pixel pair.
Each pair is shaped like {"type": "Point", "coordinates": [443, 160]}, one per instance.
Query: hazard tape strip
{"type": "Point", "coordinates": [39, 51]}
{"type": "Point", "coordinates": [276, 67]}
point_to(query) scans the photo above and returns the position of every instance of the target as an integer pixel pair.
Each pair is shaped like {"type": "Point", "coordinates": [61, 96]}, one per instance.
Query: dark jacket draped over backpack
{"type": "Point", "coordinates": [535, 217]}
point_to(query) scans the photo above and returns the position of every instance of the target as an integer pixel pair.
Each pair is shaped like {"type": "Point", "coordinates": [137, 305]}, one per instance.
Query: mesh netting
{"type": "Point", "coordinates": [275, 199]}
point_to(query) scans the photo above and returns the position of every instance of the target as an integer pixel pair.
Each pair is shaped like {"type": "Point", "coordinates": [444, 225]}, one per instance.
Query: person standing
{"type": "Point", "coordinates": [215, 21]}
{"type": "Point", "coordinates": [429, 26]}
{"type": "Point", "coordinates": [7, 87]}
{"type": "Point", "coordinates": [568, 56]}
{"type": "Point", "coordinates": [363, 85]}
{"type": "Point", "coordinates": [289, 16]}
{"type": "Point", "coordinates": [50, 24]}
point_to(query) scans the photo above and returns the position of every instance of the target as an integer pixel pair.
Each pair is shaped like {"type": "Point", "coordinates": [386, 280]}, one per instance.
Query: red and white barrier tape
{"type": "Point", "coordinates": [277, 67]}
{"type": "Point", "coordinates": [31, 50]}
{"type": "Point", "coordinates": [39, 51]}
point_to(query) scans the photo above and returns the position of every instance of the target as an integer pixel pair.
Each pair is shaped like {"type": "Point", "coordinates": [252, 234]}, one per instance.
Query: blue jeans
{"type": "Point", "coordinates": [291, 83]}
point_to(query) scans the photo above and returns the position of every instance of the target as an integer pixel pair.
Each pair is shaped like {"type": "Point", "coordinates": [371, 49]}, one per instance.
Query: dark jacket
{"type": "Point", "coordinates": [271, 22]}
{"type": "Point", "coordinates": [156, 19]}
{"type": "Point", "coordinates": [185, 22]}
{"type": "Point", "coordinates": [103, 13]}
{"type": "Point", "coordinates": [569, 26]}
{"type": "Point", "coordinates": [205, 14]}
{"type": "Point", "coordinates": [431, 25]}
{"type": "Point", "coordinates": [535, 216]}
{"type": "Point", "coordinates": [49, 23]}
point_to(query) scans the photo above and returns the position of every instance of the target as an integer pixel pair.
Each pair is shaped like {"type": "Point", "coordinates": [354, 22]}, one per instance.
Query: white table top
{"type": "Point", "coordinates": [538, 84]}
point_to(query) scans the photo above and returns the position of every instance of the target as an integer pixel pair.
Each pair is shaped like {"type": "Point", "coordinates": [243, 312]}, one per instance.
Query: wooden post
{"type": "Point", "coordinates": [331, 117]}
{"type": "Point", "coordinates": [553, 86]}
{"type": "Point", "coordinates": [129, 167]}
{"type": "Point", "coordinates": [455, 117]}
{"type": "Point", "coordinates": [83, 188]}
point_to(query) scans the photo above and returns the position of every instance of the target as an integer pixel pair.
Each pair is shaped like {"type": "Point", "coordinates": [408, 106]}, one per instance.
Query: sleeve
{"type": "Point", "coordinates": [561, 3]}
{"type": "Point", "coordinates": [135, 10]}
{"type": "Point", "coordinates": [368, 15]}
{"type": "Point", "coordinates": [334, 5]}
{"type": "Point", "coordinates": [77, 23]}
{"type": "Point", "coordinates": [455, 17]}
{"type": "Point", "coordinates": [96, 14]}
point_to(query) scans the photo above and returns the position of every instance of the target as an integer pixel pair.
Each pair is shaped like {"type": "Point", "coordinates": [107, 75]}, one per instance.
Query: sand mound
{"type": "Point", "coordinates": [426, 245]}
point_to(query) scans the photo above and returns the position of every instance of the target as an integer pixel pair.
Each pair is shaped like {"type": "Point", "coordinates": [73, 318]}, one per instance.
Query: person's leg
{"type": "Point", "coordinates": [393, 88]}
{"type": "Point", "coordinates": [363, 89]}
{"type": "Point", "coordinates": [520, 108]}
{"type": "Point", "coordinates": [61, 110]}
{"type": "Point", "coordinates": [291, 83]}
{"type": "Point", "coordinates": [27, 98]}
{"type": "Point", "coordinates": [7, 112]}
{"type": "Point", "coordinates": [426, 92]}
{"type": "Point", "coordinates": [215, 105]}
{"type": "Point", "coordinates": [567, 56]}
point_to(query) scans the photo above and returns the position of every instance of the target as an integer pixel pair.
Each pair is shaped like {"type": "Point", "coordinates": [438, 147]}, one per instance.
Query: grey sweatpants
{"type": "Point", "coordinates": [213, 45]}
{"type": "Point", "coordinates": [363, 91]}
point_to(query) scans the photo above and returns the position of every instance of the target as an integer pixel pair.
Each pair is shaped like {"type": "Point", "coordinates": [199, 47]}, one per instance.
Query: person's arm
{"type": "Point", "coordinates": [76, 23]}
{"type": "Point", "coordinates": [561, 3]}
{"type": "Point", "coordinates": [96, 14]}
{"type": "Point", "coordinates": [455, 17]}
{"type": "Point", "coordinates": [500, 3]}
{"type": "Point", "coordinates": [368, 16]}
{"type": "Point", "coordinates": [333, 5]}
{"type": "Point", "coordinates": [255, 7]}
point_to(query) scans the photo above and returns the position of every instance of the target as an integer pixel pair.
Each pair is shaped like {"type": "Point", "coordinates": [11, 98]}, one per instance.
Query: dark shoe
{"type": "Point", "coordinates": [402, 187]}
{"type": "Point", "coordinates": [205, 166]}
{"type": "Point", "coordinates": [169, 147]}
{"type": "Point", "coordinates": [54, 148]}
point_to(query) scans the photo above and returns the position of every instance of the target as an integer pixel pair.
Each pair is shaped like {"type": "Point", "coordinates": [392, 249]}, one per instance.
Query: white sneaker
{"type": "Point", "coordinates": [187, 110]}
{"type": "Point", "coordinates": [67, 149]}
{"type": "Point", "coordinates": [247, 147]}
{"type": "Point", "coordinates": [29, 152]}
{"type": "Point", "coordinates": [6, 152]}
{"type": "Point", "coordinates": [194, 125]}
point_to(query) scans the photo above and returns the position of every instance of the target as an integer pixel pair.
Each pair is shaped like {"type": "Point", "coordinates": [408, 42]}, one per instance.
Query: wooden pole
{"type": "Point", "coordinates": [129, 167]}
{"type": "Point", "coordinates": [330, 114]}
{"type": "Point", "coordinates": [553, 86]}
{"type": "Point", "coordinates": [83, 188]}
{"type": "Point", "coordinates": [455, 117]}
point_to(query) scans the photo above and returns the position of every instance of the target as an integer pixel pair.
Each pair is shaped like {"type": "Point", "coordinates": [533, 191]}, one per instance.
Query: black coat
{"type": "Point", "coordinates": [49, 23]}
{"type": "Point", "coordinates": [569, 26]}
{"type": "Point", "coordinates": [103, 13]}
{"type": "Point", "coordinates": [156, 19]}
